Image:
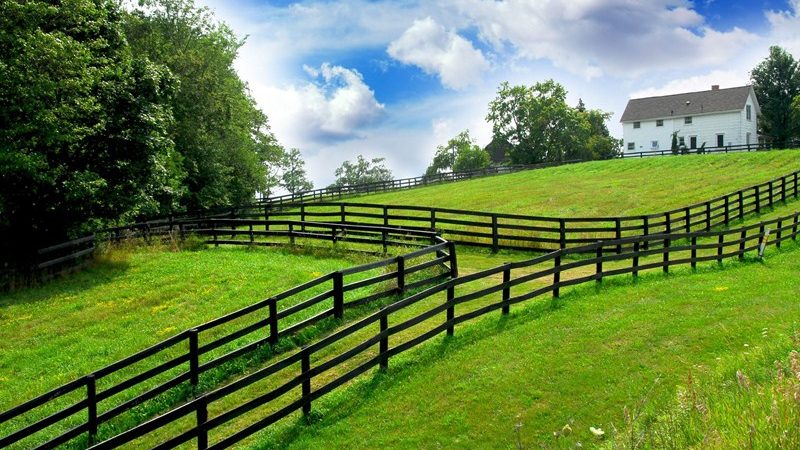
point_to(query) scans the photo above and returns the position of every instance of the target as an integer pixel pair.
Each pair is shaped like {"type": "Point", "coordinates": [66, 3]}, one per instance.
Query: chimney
{"type": "Point", "coordinates": [714, 87]}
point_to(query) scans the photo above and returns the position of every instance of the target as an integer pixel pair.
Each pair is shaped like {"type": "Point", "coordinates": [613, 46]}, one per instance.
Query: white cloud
{"type": "Point", "coordinates": [592, 38]}
{"type": "Point", "coordinates": [786, 27]}
{"type": "Point", "coordinates": [435, 50]}
{"type": "Point", "coordinates": [336, 106]}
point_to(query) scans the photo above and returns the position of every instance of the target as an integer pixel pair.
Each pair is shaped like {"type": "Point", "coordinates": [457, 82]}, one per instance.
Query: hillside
{"type": "Point", "coordinates": [602, 188]}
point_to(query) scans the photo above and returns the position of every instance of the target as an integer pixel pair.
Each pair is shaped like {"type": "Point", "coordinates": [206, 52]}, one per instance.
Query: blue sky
{"type": "Point", "coordinates": [394, 79]}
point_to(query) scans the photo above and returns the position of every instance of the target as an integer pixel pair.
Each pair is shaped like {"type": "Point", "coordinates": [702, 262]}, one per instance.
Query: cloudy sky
{"type": "Point", "coordinates": [394, 79]}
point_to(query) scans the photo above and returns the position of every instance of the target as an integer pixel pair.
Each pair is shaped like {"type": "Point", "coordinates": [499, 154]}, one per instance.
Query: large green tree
{"type": "Point", "coordinates": [223, 137]}
{"type": "Point", "coordinates": [776, 81]}
{"type": "Point", "coordinates": [540, 127]}
{"type": "Point", "coordinates": [83, 134]}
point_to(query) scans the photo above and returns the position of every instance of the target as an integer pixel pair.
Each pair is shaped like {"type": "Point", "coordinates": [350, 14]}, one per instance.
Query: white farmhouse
{"type": "Point", "coordinates": [716, 118]}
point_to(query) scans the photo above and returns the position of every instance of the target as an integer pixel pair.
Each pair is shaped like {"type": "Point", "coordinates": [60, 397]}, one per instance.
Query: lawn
{"type": "Point", "coordinates": [602, 188]}
{"type": "Point", "coordinates": [574, 362]}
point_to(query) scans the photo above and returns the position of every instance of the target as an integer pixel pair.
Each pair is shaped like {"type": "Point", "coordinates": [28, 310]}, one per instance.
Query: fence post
{"type": "Point", "coordinates": [202, 417]}
{"type": "Point", "coordinates": [383, 349]}
{"type": "Point", "coordinates": [291, 234]}
{"type": "Point", "coordinates": [741, 204]}
{"type": "Point", "coordinates": [266, 218]}
{"type": "Point", "coordinates": [667, 223]}
{"type": "Point", "coordinates": [338, 294]}
{"type": "Point", "coordinates": [303, 217]}
{"type": "Point", "coordinates": [386, 216]}
{"type": "Point", "coordinates": [599, 262]}
{"type": "Point", "coordinates": [401, 274]}
{"type": "Point", "coordinates": [618, 234]}
{"type": "Point", "coordinates": [694, 252]}
{"type": "Point", "coordinates": [252, 237]}
{"type": "Point", "coordinates": [342, 213]}
{"type": "Point", "coordinates": [778, 234]}
{"type": "Point", "coordinates": [433, 219]}
{"type": "Point", "coordinates": [562, 234]}
{"type": "Point", "coordinates": [688, 220]}
{"type": "Point", "coordinates": [646, 221]}
{"type": "Point", "coordinates": [758, 200]}
{"type": "Point", "coordinates": [506, 288]}
{"type": "Point", "coordinates": [727, 210]}
{"type": "Point", "coordinates": [305, 367]}
{"type": "Point", "coordinates": [384, 235]}
{"type": "Point", "coordinates": [91, 407]}
{"type": "Point", "coordinates": [794, 227]}
{"type": "Point", "coordinates": [742, 239]}
{"type": "Point", "coordinates": [770, 194]}
{"type": "Point", "coordinates": [273, 321]}
{"type": "Point", "coordinates": [795, 185]}
{"type": "Point", "coordinates": [666, 255]}
{"type": "Point", "coordinates": [783, 189]}
{"type": "Point", "coordinates": [557, 274]}
{"type": "Point", "coordinates": [720, 246]}
{"type": "Point", "coordinates": [708, 216]}
{"type": "Point", "coordinates": [451, 248]}
{"type": "Point", "coordinates": [495, 246]}
{"type": "Point", "coordinates": [194, 358]}
{"type": "Point", "coordinates": [451, 310]}
{"type": "Point", "coordinates": [635, 264]}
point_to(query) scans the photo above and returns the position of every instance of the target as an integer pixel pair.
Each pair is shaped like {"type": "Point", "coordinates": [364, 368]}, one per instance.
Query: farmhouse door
{"type": "Point", "coordinates": [693, 142]}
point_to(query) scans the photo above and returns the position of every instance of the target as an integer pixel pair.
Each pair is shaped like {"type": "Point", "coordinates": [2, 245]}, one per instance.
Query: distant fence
{"type": "Point", "coordinates": [687, 151]}
{"type": "Point", "coordinates": [296, 390]}
{"type": "Point", "coordinates": [188, 354]}
{"type": "Point", "coordinates": [540, 233]}
{"type": "Point", "coordinates": [333, 192]}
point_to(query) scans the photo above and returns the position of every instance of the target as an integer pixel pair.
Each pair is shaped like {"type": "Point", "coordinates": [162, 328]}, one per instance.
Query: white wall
{"type": "Point", "coordinates": [734, 127]}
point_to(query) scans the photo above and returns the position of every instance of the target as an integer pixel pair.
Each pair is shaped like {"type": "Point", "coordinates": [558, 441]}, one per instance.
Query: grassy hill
{"type": "Point", "coordinates": [578, 361]}
{"type": "Point", "coordinates": [603, 188]}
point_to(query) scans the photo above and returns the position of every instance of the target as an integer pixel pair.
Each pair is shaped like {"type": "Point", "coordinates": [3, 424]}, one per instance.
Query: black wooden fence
{"type": "Point", "coordinates": [334, 192]}
{"type": "Point", "coordinates": [540, 233]}
{"type": "Point", "coordinates": [307, 370]}
{"type": "Point", "coordinates": [699, 151]}
{"type": "Point", "coordinates": [189, 354]}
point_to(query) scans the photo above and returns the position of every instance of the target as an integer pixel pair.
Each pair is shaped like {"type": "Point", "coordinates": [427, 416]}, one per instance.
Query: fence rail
{"type": "Point", "coordinates": [190, 353]}
{"type": "Point", "coordinates": [686, 150]}
{"type": "Point", "coordinates": [518, 285]}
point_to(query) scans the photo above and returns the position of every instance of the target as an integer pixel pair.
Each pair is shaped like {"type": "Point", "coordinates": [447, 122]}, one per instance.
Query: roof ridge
{"type": "Point", "coordinates": [692, 92]}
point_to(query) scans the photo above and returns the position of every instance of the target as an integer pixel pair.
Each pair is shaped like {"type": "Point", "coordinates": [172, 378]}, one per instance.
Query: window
{"type": "Point", "coordinates": [659, 123]}
{"type": "Point", "coordinates": [687, 120]}
{"type": "Point", "coordinates": [654, 144]}
{"type": "Point", "coordinates": [720, 140]}
{"type": "Point", "coordinates": [749, 112]}
{"type": "Point", "coordinates": [637, 124]}
{"type": "Point", "coordinates": [631, 146]}
{"type": "Point", "coordinates": [682, 141]}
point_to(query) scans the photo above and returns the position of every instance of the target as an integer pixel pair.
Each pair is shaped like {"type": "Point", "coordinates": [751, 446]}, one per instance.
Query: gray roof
{"type": "Point", "coordinates": [702, 102]}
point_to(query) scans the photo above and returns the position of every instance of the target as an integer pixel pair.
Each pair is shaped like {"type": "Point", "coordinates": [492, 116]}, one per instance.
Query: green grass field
{"type": "Point", "coordinates": [578, 361]}
{"type": "Point", "coordinates": [603, 188]}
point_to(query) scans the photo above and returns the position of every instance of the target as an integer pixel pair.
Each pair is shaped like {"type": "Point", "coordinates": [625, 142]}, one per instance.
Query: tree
{"type": "Point", "coordinates": [460, 154]}
{"type": "Point", "coordinates": [674, 145]}
{"type": "Point", "coordinates": [294, 177]}
{"type": "Point", "coordinates": [224, 139]}
{"type": "Point", "coordinates": [776, 81]}
{"type": "Point", "coordinates": [600, 144]}
{"type": "Point", "coordinates": [539, 125]}
{"type": "Point", "coordinates": [84, 137]}
{"type": "Point", "coordinates": [361, 172]}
